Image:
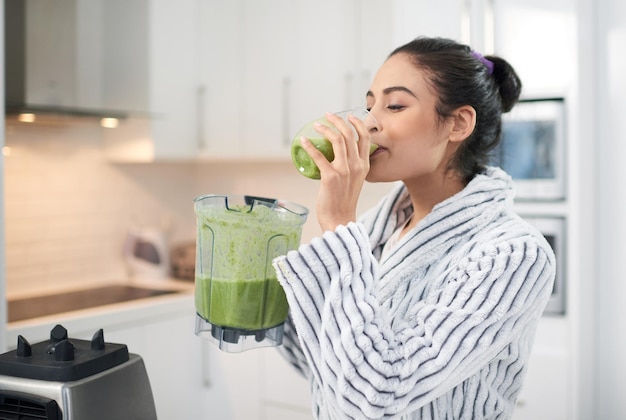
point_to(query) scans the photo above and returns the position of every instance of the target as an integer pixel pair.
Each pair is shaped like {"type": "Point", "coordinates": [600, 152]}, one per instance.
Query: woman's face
{"type": "Point", "coordinates": [413, 145]}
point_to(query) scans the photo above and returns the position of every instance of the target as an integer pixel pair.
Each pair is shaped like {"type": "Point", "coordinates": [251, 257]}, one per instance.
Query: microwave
{"type": "Point", "coordinates": [532, 149]}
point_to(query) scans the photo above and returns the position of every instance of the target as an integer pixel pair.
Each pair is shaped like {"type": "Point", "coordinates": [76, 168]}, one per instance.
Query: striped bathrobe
{"type": "Point", "coordinates": [441, 327]}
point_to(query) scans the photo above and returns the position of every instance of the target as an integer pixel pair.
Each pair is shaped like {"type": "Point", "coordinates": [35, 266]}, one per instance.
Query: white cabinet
{"type": "Point", "coordinates": [164, 53]}
{"type": "Point", "coordinates": [373, 44]}
{"type": "Point", "coordinates": [235, 80]}
{"type": "Point", "coordinates": [285, 413]}
{"type": "Point", "coordinates": [173, 77]}
{"type": "Point", "coordinates": [269, 67]}
{"type": "Point", "coordinates": [269, 54]}
{"type": "Point", "coordinates": [544, 394]}
{"type": "Point", "coordinates": [177, 363]}
{"type": "Point", "coordinates": [284, 390]}
{"type": "Point", "coordinates": [544, 57]}
{"type": "Point", "coordinates": [192, 379]}
{"type": "Point", "coordinates": [413, 18]}
{"type": "Point", "coordinates": [220, 76]}
{"type": "Point", "coordinates": [247, 60]}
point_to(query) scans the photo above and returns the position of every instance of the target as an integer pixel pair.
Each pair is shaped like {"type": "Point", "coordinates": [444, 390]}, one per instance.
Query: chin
{"type": "Point", "coordinates": [374, 177]}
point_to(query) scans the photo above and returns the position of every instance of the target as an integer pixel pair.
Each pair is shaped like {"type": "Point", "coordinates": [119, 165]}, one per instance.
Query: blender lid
{"type": "Point", "coordinates": [245, 203]}
{"type": "Point", "coordinates": [61, 359]}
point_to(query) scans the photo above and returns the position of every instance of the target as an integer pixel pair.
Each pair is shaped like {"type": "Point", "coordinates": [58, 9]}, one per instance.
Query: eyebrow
{"type": "Point", "coordinates": [388, 90]}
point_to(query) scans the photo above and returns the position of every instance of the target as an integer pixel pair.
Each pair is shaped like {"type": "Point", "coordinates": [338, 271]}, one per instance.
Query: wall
{"type": "Point", "coordinates": [610, 201]}
{"type": "Point", "coordinates": [68, 209]}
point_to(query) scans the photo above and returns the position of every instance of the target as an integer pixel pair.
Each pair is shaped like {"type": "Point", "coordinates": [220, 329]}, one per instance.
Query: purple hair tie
{"type": "Point", "coordinates": [482, 59]}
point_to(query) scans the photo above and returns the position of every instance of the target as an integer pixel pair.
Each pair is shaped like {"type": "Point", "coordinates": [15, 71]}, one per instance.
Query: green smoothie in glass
{"type": "Point", "coordinates": [301, 159]}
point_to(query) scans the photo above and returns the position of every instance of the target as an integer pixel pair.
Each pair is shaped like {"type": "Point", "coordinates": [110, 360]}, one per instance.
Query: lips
{"type": "Point", "coordinates": [378, 150]}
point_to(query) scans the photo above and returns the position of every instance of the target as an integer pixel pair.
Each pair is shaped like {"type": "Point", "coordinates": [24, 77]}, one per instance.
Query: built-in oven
{"type": "Point", "coordinates": [553, 229]}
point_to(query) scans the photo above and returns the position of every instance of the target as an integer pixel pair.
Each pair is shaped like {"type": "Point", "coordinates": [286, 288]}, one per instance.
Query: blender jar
{"type": "Point", "coordinates": [239, 303]}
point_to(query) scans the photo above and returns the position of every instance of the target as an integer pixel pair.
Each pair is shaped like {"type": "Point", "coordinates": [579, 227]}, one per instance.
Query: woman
{"type": "Point", "coordinates": [426, 307]}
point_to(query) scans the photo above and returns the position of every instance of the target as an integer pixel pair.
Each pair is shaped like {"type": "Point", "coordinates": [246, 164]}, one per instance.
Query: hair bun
{"type": "Point", "coordinates": [509, 83]}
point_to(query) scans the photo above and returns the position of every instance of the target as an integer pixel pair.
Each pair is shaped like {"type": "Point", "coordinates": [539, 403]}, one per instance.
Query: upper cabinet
{"type": "Point", "coordinates": [269, 66]}
{"type": "Point", "coordinates": [236, 79]}
{"type": "Point", "coordinates": [538, 37]}
{"type": "Point", "coordinates": [162, 58]}
{"type": "Point", "coordinates": [219, 79]}
{"type": "Point", "coordinates": [413, 18]}
{"type": "Point", "coordinates": [535, 36]}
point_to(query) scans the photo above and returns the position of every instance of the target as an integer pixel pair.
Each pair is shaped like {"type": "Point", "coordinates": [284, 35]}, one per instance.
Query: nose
{"type": "Point", "coordinates": [372, 123]}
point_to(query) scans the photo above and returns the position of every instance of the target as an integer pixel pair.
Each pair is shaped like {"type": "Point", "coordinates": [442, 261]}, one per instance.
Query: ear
{"type": "Point", "coordinates": [464, 121]}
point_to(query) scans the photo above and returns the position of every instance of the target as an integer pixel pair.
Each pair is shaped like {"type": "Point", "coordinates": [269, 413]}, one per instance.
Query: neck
{"type": "Point", "coordinates": [427, 193]}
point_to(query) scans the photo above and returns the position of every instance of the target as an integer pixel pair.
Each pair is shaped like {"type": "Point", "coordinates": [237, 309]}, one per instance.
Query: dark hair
{"type": "Point", "coordinates": [460, 78]}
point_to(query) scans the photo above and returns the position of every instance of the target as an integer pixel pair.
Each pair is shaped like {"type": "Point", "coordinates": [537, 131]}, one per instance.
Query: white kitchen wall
{"type": "Point", "coordinates": [68, 208]}
{"type": "Point", "coordinates": [610, 202]}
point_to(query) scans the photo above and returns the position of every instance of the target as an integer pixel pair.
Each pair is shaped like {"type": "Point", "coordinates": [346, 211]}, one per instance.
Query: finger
{"type": "Point", "coordinates": [334, 136]}
{"type": "Point", "coordinates": [341, 125]}
{"type": "Point", "coordinates": [349, 131]}
{"type": "Point", "coordinates": [364, 136]}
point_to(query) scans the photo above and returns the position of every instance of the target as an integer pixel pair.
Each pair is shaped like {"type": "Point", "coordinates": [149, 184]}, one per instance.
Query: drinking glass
{"type": "Point", "coordinates": [301, 159]}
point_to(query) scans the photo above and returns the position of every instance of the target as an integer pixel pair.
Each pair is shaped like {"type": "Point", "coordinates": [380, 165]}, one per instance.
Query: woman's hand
{"type": "Point", "coordinates": [342, 179]}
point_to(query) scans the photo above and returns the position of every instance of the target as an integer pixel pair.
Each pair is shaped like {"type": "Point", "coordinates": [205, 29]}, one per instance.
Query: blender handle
{"type": "Point", "coordinates": [251, 199]}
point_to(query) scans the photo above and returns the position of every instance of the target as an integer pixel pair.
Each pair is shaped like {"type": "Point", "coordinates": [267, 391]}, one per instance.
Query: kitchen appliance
{"type": "Point", "coordinates": [239, 303]}
{"type": "Point", "coordinates": [63, 379]}
{"type": "Point", "coordinates": [183, 257]}
{"type": "Point", "coordinates": [532, 149]}
{"type": "Point", "coordinates": [146, 253]}
{"type": "Point", "coordinates": [553, 228]}
{"type": "Point", "coordinates": [54, 54]}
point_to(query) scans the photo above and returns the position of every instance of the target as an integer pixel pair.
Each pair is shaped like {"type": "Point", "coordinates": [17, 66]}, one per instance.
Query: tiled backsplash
{"type": "Point", "coordinates": [68, 209]}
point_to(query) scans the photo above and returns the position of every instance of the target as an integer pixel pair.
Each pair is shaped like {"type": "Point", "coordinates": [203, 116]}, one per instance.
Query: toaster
{"type": "Point", "coordinates": [63, 379]}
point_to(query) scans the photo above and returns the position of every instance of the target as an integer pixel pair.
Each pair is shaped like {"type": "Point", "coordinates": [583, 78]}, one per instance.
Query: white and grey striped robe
{"type": "Point", "coordinates": [440, 328]}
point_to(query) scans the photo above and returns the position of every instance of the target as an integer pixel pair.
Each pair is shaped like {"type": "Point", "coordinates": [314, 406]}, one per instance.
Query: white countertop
{"type": "Point", "coordinates": [88, 321]}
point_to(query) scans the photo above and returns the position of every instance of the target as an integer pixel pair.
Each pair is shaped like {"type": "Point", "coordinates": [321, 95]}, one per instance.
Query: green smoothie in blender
{"type": "Point", "coordinates": [236, 286]}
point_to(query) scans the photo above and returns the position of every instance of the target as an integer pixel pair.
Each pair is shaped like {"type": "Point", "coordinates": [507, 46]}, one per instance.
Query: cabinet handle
{"type": "Point", "coordinates": [200, 109]}
{"type": "Point", "coordinates": [286, 111]}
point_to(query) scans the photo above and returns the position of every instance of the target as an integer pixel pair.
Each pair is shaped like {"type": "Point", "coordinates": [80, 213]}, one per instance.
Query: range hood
{"type": "Point", "coordinates": [58, 64]}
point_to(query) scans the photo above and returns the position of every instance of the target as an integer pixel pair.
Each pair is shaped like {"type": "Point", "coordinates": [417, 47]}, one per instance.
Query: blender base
{"type": "Point", "coordinates": [236, 340]}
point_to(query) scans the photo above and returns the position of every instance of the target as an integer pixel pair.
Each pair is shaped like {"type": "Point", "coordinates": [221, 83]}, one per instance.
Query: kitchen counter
{"type": "Point", "coordinates": [83, 323]}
